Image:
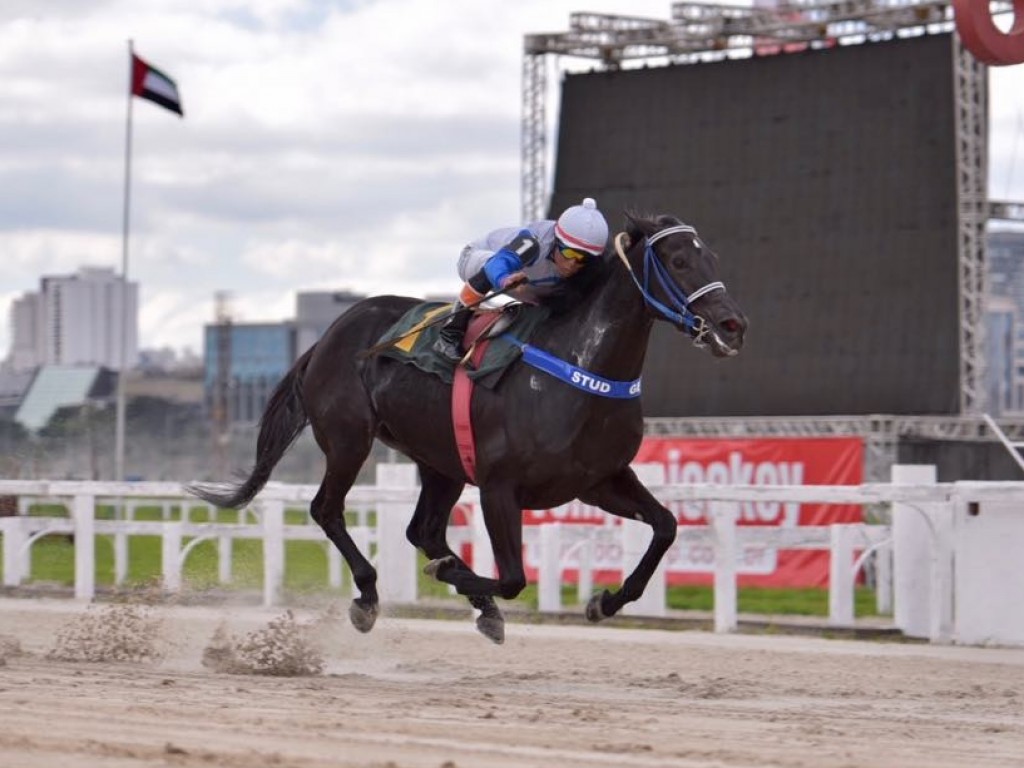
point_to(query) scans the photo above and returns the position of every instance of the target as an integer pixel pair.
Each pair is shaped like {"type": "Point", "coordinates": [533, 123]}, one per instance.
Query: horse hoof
{"type": "Point", "coordinates": [594, 613]}
{"type": "Point", "coordinates": [433, 568]}
{"type": "Point", "coordinates": [362, 617]}
{"type": "Point", "coordinates": [491, 627]}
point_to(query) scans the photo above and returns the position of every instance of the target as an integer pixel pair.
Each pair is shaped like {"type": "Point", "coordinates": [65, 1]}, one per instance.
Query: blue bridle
{"type": "Point", "coordinates": [678, 310]}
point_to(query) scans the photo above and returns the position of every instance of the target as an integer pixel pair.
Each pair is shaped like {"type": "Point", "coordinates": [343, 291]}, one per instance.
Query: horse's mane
{"type": "Point", "coordinates": [638, 224]}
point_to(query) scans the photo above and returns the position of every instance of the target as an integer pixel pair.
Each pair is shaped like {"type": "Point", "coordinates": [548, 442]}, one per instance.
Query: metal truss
{"type": "Point", "coordinates": [1005, 211]}
{"type": "Point", "coordinates": [970, 83]}
{"type": "Point", "coordinates": [534, 137]}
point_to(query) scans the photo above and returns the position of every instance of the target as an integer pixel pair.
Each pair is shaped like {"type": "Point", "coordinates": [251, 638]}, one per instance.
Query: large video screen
{"type": "Point", "coordinates": [826, 182]}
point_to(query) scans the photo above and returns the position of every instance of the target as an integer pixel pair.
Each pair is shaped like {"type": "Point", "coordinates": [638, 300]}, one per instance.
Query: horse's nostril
{"type": "Point", "coordinates": [731, 325]}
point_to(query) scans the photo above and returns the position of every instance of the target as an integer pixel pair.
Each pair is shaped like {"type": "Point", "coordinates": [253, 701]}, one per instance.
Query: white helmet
{"type": "Point", "coordinates": [583, 227]}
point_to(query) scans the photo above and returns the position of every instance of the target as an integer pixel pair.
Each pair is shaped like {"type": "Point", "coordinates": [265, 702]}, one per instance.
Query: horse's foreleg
{"type": "Point", "coordinates": [623, 495]}
{"type": "Point", "coordinates": [427, 530]}
{"type": "Point", "coordinates": [503, 517]}
{"type": "Point", "coordinates": [328, 510]}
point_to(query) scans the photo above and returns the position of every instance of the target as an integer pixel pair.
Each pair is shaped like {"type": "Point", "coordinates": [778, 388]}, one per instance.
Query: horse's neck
{"type": "Point", "coordinates": [607, 334]}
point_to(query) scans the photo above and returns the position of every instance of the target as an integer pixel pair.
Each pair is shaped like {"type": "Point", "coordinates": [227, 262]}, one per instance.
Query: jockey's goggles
{"type": "Point", "coordinates": [572, 254]}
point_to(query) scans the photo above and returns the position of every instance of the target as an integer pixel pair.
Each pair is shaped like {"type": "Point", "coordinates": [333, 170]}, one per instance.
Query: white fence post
{"type": "Point", "coordinates": [125, 512]}
{"type": "Point", "coordinates": [636, 537]}
{"type": "Point", "coordinates": [396, 557]}
{"type": "Point", "coordinates": [883, 579]}
{"type": "Point", "coordinates": [913, 540]}
{"type": "Point", "coordinates": [84, 512]}
{"type": "Point", "coordinates": [15, 560]}
{"type": "Point", "coordinates": [272, 511]}
{"type": "Point", "coordinates": [723, 525]}
{"type": "Point", "coordinates": [585, 572]}
{"type": "Point", "coordinates": [840, 575]}
{"type": "Point", "coordinates": [549, 571]}
{"type": "Point", "coordinates": [225, 551]}
{"type": "Point", "coordinates": [334, 563]}
{"type": "Point", "coordinates": [120, 558]}
{"type": "Point", "coordinates": [483, 555]}
{"type": "Point", "coordinates": [940, 625]}
{"type": "Point", "coordinates": [170, 556]}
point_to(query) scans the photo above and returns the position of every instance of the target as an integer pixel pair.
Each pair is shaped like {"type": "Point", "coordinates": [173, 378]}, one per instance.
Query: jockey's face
{"type": "Point", "coordinates": [567, 261]}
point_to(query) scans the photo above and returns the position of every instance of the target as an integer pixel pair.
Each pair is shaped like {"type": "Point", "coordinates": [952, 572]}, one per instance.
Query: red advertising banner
{"type": "Point", "coordinates": [777, 461]}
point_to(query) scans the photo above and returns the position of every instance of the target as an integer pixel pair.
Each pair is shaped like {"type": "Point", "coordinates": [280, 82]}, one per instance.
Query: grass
{"type": "Point", "coordinates": [306, 573]}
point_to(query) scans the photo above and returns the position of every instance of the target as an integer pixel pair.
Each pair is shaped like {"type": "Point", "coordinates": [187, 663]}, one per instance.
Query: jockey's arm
{"type": "Point", "coordinates": [511, 259]}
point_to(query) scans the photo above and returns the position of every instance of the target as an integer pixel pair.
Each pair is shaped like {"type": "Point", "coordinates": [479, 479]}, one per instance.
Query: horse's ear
{"type": "Point", "coordinates": [632, 225]}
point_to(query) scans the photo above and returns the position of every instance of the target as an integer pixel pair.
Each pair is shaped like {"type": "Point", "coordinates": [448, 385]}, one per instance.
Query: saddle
{"type": "Point", "coordinates": [486, 323]}
{"type": "Point", "coordinates": [411, 339]}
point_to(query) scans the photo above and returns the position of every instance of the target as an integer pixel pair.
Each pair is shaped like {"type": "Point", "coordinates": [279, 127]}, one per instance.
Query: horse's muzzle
{"type": "Point", "coordinates": [726, 336]}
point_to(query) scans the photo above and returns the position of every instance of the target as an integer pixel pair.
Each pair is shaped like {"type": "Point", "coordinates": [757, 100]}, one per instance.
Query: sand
{"type": "Point", "coordinates": [435, 694]}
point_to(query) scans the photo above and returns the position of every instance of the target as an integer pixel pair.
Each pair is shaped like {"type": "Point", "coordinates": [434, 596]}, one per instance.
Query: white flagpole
{"type": "Point", "coordinates": [122, 373]}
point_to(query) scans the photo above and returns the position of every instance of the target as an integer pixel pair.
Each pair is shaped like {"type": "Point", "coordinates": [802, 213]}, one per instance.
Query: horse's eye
{"type": "Point", "coordinates": [678, 262]}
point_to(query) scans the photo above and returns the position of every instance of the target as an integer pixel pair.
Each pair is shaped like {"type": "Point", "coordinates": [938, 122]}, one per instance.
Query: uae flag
{"type": "Point", "coordinates": [148, 82]}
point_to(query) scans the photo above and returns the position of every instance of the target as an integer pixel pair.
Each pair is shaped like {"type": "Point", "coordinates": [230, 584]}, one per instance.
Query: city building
{"type": "Point", "coordinates": [1004, 323]}
{"type": "Point", "coordinates": [314, 313]}
{"type": "Point", "coordinates": [242, 364]}
{"type": "Point", "coordinates": [86, 319]}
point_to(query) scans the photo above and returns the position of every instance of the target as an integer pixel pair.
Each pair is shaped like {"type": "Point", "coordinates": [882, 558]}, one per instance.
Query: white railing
{"type": "Point", "coordinates": [557, 545]}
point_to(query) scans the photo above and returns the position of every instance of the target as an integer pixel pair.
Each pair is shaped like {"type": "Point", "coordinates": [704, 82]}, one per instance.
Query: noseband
{"type": "Point", "coordinates": [678, 309]}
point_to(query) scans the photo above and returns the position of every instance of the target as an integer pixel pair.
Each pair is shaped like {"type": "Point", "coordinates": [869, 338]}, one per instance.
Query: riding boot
{"type": "Point", "coordinates": [449, 342]}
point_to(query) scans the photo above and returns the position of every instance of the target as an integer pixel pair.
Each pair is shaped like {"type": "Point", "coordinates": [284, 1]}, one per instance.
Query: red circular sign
{"type": "Point", "coordinates": [984, 39]}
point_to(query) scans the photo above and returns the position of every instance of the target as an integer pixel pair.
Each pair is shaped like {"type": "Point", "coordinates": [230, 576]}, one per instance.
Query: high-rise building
{"type": "Point", "coordinates": [28, 350]}
{"type": "Point", "coordinates": [86, 319]}
{"type": "Point", "coordinates": [1004, 323]}
{"type": "Point", "coordinates": [314, 313]}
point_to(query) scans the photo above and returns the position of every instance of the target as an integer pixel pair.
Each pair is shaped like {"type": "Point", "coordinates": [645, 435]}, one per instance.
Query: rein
{"type": "Point", "coordinates": [679, 312]}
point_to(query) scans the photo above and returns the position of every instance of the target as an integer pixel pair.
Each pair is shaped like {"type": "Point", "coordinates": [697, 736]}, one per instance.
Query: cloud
{"type": "Point", "coordinates": [326, 144]}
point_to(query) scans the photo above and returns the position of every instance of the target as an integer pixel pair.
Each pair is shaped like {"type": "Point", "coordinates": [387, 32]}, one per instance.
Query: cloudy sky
{"type": "Point", "coordinates": [327, 144]}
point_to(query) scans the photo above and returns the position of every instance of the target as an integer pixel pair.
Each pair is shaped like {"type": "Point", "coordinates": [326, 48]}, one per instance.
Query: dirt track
{"type": "Point", "coordinates": [435, 694]}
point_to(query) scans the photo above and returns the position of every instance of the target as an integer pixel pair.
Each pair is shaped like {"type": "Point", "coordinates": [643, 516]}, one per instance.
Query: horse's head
{"type": "Point", "coordinates": [679, 281]}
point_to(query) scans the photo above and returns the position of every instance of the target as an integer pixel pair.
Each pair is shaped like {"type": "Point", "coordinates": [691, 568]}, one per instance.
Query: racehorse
{"type": "Point", "coordinates": [540, 443]}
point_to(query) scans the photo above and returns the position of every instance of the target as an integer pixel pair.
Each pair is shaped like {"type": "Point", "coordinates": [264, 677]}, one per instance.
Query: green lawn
{"type": "Point", "coordinates": [306, 572]}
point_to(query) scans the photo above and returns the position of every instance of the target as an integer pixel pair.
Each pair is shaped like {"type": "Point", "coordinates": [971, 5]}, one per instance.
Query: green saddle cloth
{"type": "Point", "coordinates": [417, 348]}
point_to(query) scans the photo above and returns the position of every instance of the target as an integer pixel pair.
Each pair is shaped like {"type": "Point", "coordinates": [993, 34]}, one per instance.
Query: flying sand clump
{"type": "Point", "coordinates": [122, 633]}
{"type": "Point", "coordinates": [284, 648]}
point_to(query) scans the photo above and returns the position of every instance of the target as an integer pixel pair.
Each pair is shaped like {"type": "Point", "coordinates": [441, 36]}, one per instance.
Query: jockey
{"type": "Point", "coordinates": [534, 261]}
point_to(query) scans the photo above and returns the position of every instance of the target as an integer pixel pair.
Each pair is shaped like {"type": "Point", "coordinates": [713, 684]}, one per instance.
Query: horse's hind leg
{"type": "Point", "coordinates": [624, 495]}
{"type": "Point", "coordinates": [328, 510]}
{"type": "Point", "coordinates": [504, 518]}
{"type": "Point", "coordinates": [428, 531]}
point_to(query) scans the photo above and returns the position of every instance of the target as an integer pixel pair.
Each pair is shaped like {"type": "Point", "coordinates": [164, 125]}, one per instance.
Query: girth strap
{"type": "Point", "coordinates": [462, 390]}
{"type": "Point", "coordinates": [462, 401]}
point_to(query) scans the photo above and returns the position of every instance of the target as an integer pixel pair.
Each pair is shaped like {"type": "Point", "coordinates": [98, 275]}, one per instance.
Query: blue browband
{"type": "Point", "coordinates": [576, 377]}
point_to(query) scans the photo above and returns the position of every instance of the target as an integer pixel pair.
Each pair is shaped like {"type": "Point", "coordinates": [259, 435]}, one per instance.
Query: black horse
{"type": "Point", "coordinates": [540, 442]}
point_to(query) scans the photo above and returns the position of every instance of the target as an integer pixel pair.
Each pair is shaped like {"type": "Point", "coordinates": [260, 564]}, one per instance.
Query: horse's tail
{"type": "Point", "coordinates": [282, 422]}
